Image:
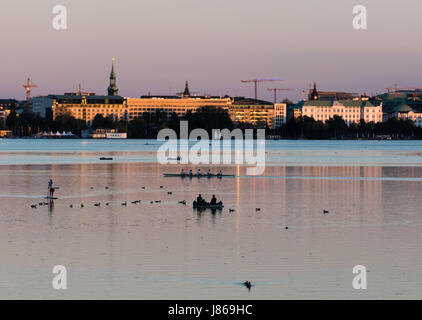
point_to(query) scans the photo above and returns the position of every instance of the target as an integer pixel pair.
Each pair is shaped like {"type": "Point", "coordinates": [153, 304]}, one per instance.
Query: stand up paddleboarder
{"type": "Point", "coordinates": [51, 188]}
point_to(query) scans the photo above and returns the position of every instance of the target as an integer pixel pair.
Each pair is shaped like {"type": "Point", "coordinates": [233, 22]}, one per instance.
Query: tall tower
{"type": "Point", "coordinates": [314, 94]}
{"type": "Point", "coordinates": [186, 93]}
{"type": "Point", "coordinates": [112, 88]}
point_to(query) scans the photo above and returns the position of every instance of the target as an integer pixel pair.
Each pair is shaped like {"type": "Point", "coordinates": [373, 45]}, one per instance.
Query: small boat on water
{"type": "Point", "coordinates": [175, 159]}
{"type": "Point", "coordinates": [208, 206]}
{"type": "Point", "coordinates": [106, 158]}
{"type": "Point", "coordinates": [187, 175]}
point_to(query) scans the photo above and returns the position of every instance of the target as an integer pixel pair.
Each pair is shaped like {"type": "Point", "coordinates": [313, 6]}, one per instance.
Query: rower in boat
{"type": "Point", "coordinates": [190, 173]}
{"type": "Point", "coordinates": [209, 173]}
{"type": "Point", "coordinates": [214, 201]}
{"type": "Point", "coordinates": [200, 201]}
{"type": "Point", "coordinates": [182, 172]}
{"type": "Point", "coordinates": [198, 172]}
{"type": "Point", "coordinates": [220, 173]}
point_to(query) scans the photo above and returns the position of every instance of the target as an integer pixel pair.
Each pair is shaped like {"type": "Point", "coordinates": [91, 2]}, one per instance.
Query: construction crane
{"type": "Point", "coordinates": [256, 81]}
{"type": "Point", "coordinates": [275, 92]}
{"type": "Point", "coordinates": [28, 87]}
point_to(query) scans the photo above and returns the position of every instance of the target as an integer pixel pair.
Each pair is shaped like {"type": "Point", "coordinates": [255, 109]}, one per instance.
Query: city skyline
{"type": "Point", "coordinates": [160, 44]}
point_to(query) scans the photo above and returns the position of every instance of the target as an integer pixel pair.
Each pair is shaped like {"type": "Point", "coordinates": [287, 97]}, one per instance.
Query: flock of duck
{"type": "Point", "coordinates": [135, 202]}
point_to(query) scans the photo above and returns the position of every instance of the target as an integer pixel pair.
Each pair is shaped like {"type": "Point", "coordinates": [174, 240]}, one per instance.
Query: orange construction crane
{"type": "Point", "coordinates": [28, 87]}
{"type": "Point", "coordinates": [256, 81]}
{"type": "Point", "coordinates": [275, 92]}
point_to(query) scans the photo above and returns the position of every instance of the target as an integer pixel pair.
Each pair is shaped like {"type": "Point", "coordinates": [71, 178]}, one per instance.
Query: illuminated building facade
{"type": "Point", "coordinates": [257, 112]}
{"type": "Point", "coordinates": [173, 104]}
{"type": "Point", "coordinates": [352, 111]}
{"type": "Point", "coordinates": [405, 112]}
{"type": "Point", "coordinates": [87, 107]}
{"type": "Point", "coordinates": [280, 116]}
{"type": "Point", "coordinates": [3, 115]}
{"type": "Point", "coordinates": [5, 107]}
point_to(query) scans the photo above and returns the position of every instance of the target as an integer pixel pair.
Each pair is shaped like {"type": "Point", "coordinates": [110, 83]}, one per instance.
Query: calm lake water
{"type": "Point", "coordinates": [166, 250]}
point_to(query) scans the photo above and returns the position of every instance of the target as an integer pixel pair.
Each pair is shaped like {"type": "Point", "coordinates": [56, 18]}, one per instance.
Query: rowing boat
{"type": "Point", "coordinates": [186, 175]}
{"type": "Point", "coordinates": [208, 206]}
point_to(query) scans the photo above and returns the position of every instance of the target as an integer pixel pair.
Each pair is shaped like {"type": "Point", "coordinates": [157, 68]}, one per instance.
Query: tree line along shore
{"type": "Point", "coordinates": [148, 125]}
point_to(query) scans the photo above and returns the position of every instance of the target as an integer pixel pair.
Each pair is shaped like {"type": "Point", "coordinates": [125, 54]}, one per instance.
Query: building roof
{"type": "Point", "coordinates": [333, 103]}
{"type": "Point", "coordinates": [356, 103]}
{"type": "Point", "coordinates": [402, 108]}
{"type": "Point", "coordinates": [178, 97]}
{"type": "Point", "coordinates": [89, 99]}
{"type": "Point", "coordinates": [250, 102]}
{"type": "Point", "coordinates": [7, 101]}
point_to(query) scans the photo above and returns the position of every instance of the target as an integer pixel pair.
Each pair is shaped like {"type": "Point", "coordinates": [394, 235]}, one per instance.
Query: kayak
{"type": "Point", "coordinates": [186, 175]}
{"type": "Point", "coordinates": [208, 206]}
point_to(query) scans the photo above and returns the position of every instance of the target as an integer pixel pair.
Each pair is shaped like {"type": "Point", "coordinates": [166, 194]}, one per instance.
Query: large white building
{"type": "Point", "coordinates": [405, 112]}
{"type": "Point", "coordinates": [352, 111]}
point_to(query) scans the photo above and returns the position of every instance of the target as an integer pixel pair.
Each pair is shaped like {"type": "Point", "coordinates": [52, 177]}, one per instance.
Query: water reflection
{"type": "Point", "coordinates": [368, 219]}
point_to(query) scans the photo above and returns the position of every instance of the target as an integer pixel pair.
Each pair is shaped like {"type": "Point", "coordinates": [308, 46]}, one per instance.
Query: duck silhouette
{"type": "Point", "coordinates": [248, 285]}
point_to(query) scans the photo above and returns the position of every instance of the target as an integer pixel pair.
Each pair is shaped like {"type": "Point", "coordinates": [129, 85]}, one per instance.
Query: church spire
{"type": "Point", "coordinates": [314, 94]}
{"type": "Point", "coordinates": [186, 93]}
{"type": "Point", "coordinates": [112, 88]}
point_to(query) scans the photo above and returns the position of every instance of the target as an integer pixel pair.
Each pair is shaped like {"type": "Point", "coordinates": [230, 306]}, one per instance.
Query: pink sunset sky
{"type": "Point", "coordinates": [158, 44]}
